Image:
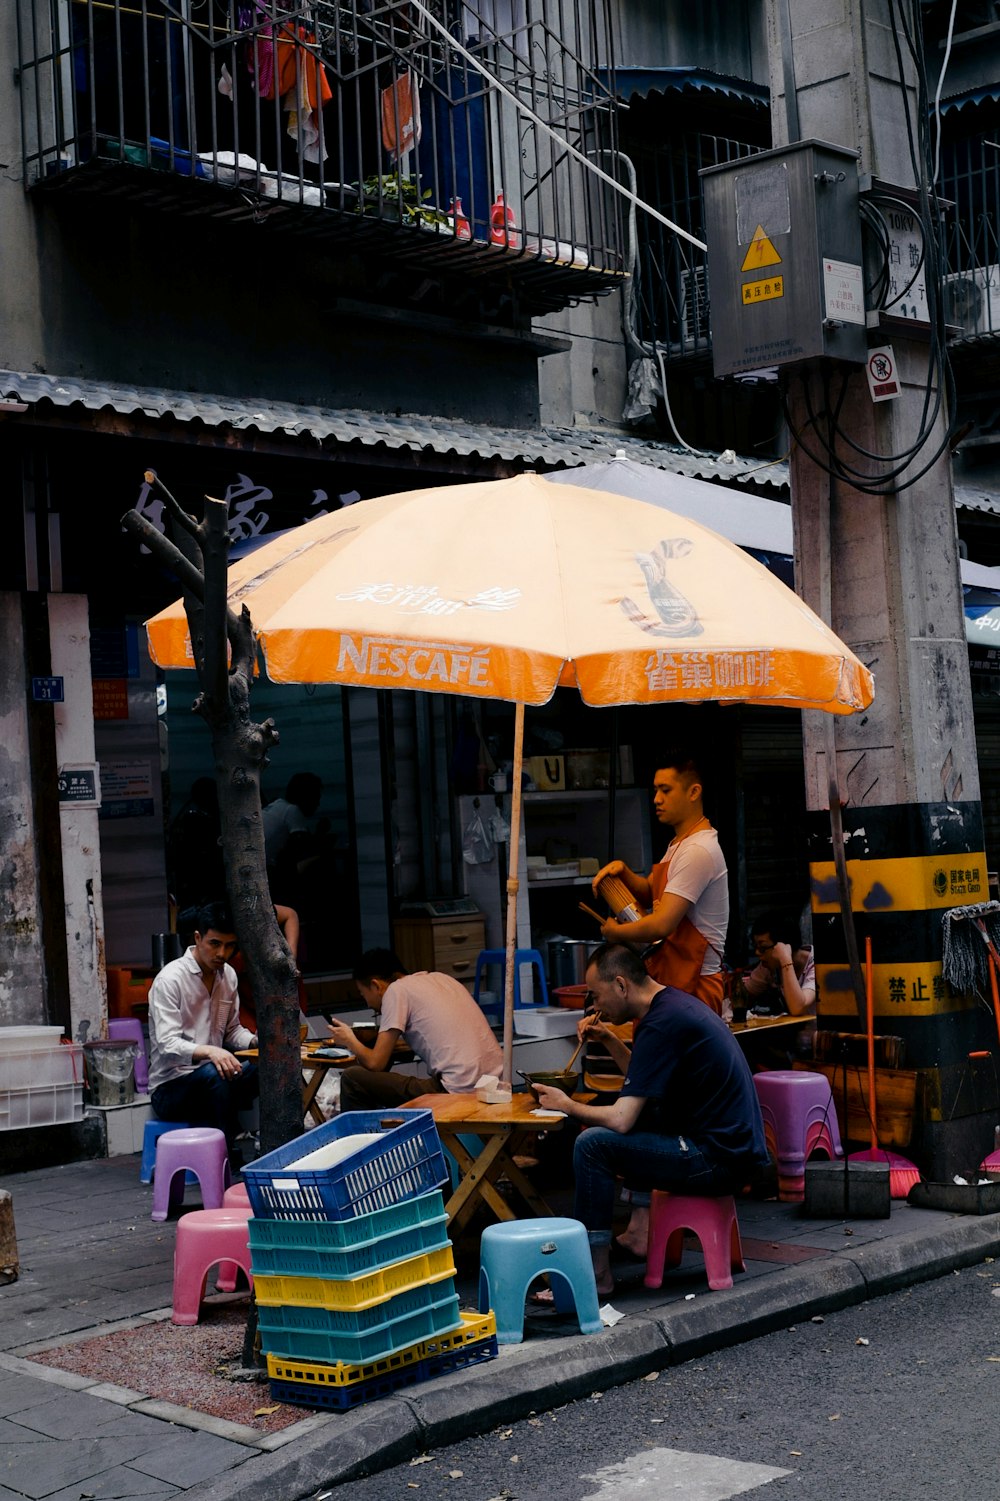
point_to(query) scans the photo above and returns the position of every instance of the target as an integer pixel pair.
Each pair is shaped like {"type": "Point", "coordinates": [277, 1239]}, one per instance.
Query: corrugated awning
{"type": "Point", "coordinates": [631, 83]}
{"type": "Point", "coordinates": [971, 96]}
{"type": "Point", "coordinates": [549, 447]}
{"type": "Point", "coordinates": [970, 498]}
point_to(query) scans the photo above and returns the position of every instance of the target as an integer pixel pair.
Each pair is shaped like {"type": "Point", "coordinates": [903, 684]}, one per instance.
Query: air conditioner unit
{"type": "Point", "coordinates": [695, 305]}
{"type": "Point", "coordinates": [972, 300]}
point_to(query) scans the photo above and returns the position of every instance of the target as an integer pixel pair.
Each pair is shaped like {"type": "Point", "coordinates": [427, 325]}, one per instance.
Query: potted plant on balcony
{"type": "Point", "coordinates": [398, 200]}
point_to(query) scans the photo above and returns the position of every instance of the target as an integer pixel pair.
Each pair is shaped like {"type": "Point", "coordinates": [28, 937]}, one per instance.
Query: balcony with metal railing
{"type": "Point", "coordinates": [450, 137]}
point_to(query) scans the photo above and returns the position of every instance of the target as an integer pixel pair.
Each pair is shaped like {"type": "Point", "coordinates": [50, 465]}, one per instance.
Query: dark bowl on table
{"type": "Point", "coordinates": [564, 1079]}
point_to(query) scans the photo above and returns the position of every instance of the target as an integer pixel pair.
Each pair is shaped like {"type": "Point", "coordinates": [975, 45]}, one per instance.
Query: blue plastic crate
{"type": "Point", "coordinates": [341, 1398]}
{"type": "Point", "coordinates": [407, 1162]}
{"type": "Point", "coordinates": [337, 1249]}
{"type": "Point", "coordinates": [357, 1335]}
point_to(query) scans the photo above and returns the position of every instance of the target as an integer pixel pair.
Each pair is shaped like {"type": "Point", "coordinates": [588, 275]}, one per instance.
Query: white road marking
{"type": "Point", "coordinates": [673, 1472]}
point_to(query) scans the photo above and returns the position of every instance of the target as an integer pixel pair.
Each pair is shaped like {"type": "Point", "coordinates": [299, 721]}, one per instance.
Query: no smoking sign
{"type": "Point", "coordinates": [883, 382]}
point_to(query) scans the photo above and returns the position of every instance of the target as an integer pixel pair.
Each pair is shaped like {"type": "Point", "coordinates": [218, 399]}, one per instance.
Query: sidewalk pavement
{"type": "Point", "coordinates": [93, 1261]}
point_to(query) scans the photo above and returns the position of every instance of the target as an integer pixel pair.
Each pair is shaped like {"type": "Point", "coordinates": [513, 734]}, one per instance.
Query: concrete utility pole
{"type": "Point", "coordinates": [884, 572]}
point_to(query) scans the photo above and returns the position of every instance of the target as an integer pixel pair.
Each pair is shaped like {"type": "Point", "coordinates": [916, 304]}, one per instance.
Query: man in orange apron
{"type": "Point", "coordinates": [686, 896]}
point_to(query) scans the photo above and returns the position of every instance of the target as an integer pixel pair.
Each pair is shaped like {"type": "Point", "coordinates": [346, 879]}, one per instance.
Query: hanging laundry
{"type": "Point", "coordinates": [260, 49]}
{"type": "Point", "coordinates": [401, 116]}
{"type": "Point", "coordinates": [303, 89]}
{"type": "Point", "coordinates": [284, 63]}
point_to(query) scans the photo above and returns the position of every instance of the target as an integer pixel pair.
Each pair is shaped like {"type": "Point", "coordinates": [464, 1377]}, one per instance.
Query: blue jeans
{"type": "Point", "coordinates": [204, 1098]}
{"type": "Point", "coordinates": [647, 1160]}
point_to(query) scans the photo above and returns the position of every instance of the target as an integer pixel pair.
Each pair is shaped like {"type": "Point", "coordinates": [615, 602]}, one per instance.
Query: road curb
{"type": "Point", "coordinates": [747, 1311]}
{"type": "Point", "coordinates": [547, 1373]}
{"type": "Point", "coordinates": [921, 1255]}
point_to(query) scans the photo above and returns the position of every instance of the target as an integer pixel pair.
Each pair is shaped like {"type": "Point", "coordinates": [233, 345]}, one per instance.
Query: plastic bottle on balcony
{"type": "Point", "coordinates": [502, 224]}
{"type": "Point", "coordinates": [458, 221]}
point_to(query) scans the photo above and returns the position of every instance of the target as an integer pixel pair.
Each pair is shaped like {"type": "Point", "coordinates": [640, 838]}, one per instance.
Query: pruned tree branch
{"type": "Point", "coordinates": [174, 507]}
{"type": "Point", "coordinates": [218, 618]}
{"type": "Point", "coordinates": [165, 552]}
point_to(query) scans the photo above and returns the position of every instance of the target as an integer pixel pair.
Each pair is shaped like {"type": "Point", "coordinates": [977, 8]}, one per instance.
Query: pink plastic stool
{"type": "Point", "coordinates": [200, 1150]}
{"type": "Point", "coordinates": [235, 1197]}
{"type": "Point", "coordinates": [713, 1221]}
{"type": "Point", "coordinates": [129, 1029]}
{"type": "Point", "coordinates": [204, 1237]}
{"type": "Point", "coordinates": [799, 1119]}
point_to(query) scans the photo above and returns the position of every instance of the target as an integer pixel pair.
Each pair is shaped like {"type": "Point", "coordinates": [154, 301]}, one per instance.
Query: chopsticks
{"type": "Point", "coordinates": [596, 1016]}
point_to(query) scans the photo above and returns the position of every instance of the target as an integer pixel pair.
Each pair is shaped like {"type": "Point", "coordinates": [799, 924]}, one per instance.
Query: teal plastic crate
{"type": "Point", "coordinates": [338, 1249]}
{"type": "Point", "coordinates": [363, 1334]}
{"type": "Point", "coordinates": [341, 1398]}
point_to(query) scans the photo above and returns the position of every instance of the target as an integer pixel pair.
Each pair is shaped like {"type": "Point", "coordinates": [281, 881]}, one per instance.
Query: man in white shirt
{"type": "Point", "coordinates": [194, 1030]}
{"type": "Point", "coordinates": [436, 1016]}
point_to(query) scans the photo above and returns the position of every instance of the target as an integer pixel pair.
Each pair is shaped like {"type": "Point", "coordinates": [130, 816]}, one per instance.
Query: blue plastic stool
{"type": "Point", "coordinates": [515, 1253]}
{"type": "Point", "coordinates": [151, 1133]}
{"type": "Point", "coordinates": [521, 956]}
{"type": "Point", "coordinates": [473, 1145]}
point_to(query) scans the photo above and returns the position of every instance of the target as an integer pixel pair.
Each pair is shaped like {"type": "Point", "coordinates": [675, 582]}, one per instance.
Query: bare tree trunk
{"type": "Point", "coordinates": [224, 652]}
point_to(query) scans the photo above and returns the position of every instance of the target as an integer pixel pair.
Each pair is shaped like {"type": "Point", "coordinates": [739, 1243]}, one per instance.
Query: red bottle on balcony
{"type": "Point", "coordinates": [502, 224]}
{"type": "Point", "coordinates": [456, 216]}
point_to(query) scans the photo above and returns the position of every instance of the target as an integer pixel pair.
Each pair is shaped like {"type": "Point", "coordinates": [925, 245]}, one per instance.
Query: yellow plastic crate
{"type": "Point", "coordinates": [356, 1292]}
{"type": "Point", "coordinates": [474, 1327]}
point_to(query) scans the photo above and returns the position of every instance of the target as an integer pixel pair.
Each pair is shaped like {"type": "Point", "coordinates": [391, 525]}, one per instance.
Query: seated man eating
{"type": "Point", "coordinates": [687, 1118]}
{"type": "Point", "coordinates": [437, 1017]}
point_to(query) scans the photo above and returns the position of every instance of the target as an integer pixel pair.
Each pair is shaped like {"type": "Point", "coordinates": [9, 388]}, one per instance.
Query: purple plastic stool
{"type": "Point", "coordinates": [200, 1150]}
{"type": "Point", "coordinates": [799, 1119]}
{"type": "Point", "coordinates": [129, 1029]}
{"type": "Point", "coordinates": [713, 1221]}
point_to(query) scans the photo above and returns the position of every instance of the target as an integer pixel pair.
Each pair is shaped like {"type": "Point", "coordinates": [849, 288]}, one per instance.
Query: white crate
{"type": "Point", "coordinates": [17, 1039]}
{"type": "Point", "coordinates": [48, 1105]}
{"type": "Point", "coordinates": [39, 1068]}
{"type": "Point", "coordinates": [545, 1021]}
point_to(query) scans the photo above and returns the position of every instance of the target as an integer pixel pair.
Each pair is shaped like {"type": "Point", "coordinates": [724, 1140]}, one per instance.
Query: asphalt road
{"type": "Point", "coordinates": [893, 1400]}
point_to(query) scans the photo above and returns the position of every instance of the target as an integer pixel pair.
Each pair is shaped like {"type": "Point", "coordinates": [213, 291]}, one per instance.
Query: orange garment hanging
{"type": "Point", "coordinates": [302, 86]}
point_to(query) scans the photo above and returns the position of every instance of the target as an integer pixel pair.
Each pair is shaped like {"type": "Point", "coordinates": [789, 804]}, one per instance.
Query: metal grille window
{"type": "Point", "coordinates": [970, 179]}
{"type": "Point", "coordinates": [382, 118]}
{"type": "Point", "coordinates": [671, 293]}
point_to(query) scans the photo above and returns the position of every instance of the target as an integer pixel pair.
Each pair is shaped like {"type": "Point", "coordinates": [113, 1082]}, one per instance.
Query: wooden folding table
{"type": "Point", "coordinates": [504, 1131]}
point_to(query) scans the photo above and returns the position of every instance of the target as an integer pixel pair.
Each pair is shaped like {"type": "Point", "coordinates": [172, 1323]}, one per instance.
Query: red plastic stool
{"type": "Point", "coordinates": [713, 1221]}
{"type": "Point", "coordinates": [235, 1197]}
{"type": "Point", "coordinates": [799, 1119]}
{"type": "Point", "coordinates": [204, 1237]}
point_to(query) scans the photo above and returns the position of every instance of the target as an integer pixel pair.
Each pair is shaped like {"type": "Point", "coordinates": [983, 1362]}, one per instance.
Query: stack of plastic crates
{"type": "Point", "coordinates": [353, 1270]}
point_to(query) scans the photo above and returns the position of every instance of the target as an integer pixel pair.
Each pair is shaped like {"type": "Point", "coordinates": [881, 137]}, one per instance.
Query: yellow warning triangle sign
{"type": "Point", "coordinates": [760, 252]}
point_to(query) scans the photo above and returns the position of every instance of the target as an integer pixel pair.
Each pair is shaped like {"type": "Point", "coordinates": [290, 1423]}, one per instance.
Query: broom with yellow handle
{"type": "Point", "coordinates": [903, 1174]}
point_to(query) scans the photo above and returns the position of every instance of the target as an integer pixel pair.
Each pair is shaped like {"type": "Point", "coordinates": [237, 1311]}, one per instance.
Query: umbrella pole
{"type": "Point", "coordinates": [512, 869]}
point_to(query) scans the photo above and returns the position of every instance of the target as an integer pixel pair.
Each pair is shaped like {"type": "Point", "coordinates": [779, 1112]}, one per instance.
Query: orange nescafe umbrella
{"type": "Point", "coordinates": [509, 588]}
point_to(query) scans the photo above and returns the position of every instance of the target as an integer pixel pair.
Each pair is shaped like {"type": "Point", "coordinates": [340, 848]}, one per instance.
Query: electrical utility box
{"type": "Point", "coordinates": [785, 271]}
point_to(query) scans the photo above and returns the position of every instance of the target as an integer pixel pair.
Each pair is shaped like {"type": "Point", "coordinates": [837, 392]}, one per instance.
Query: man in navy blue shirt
{"type": "Point", "coordinates": [687, 1118]}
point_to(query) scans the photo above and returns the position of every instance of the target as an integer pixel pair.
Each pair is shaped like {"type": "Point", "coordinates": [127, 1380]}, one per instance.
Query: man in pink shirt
{"type": "Point", "coordinates": [435, 1015]}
